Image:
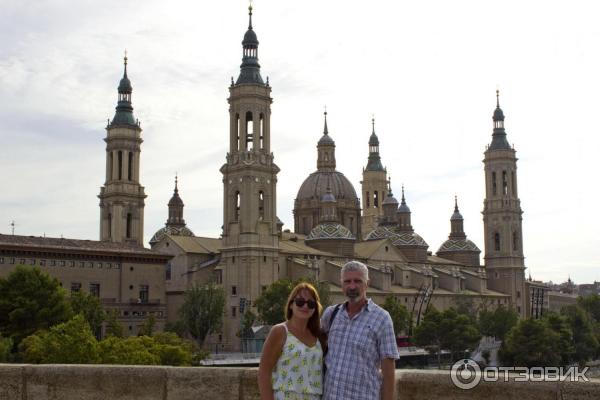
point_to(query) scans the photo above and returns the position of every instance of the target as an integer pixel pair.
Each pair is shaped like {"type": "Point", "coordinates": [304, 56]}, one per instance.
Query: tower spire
{"type": "Point", "coordinates": [374, 162]}
{"type": "Point", "coordinates": [250, 69]}
{"type": "Point", "coordinates": [499, 141]}
{"type": "Point", "coordinates": [124, 109]}
{"type": "Point", "coordinates": [325, 130]}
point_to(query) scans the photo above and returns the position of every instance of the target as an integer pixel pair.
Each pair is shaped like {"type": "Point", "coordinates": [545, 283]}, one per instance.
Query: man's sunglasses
{"type": "Point", "coordinates": [301, 302]}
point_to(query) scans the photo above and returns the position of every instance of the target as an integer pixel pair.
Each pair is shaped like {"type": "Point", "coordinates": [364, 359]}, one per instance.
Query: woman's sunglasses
{"type": "Point", "coordinates": [301, 302]}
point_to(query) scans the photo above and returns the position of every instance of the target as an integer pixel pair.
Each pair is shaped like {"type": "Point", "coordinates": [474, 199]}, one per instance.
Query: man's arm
{"type": "Point", "coordinates": [388, 370]}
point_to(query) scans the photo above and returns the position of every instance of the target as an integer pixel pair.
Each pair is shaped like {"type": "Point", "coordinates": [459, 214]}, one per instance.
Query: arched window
{"type": "Point", "coordinates": [375, 199]}
{"type": "Point", "coordinates": [249, 131]}
{"type": "Point", "coordinates": [109, 225]}
{"type": "Point", "coordinates": [326, 156]}
{"type": "Point", "coordinates": [111, 167]}
{"type": "Point", "coordinates": [515, 240]}
{"type": "Point", "coordinates": [120, 161]}
{"type": "Point", "coordinates": [130, 166]}
{"type": "Point", "coordinates": [262, 131]}
{"type": "Point", "coordinates": [504, 183]}
{"type": "Point", "coordinates": [494, 186]}
{"type": "Point", "coordinates": [496, 241]}
{"type": "Point", "coordinates": [236, 205]}
{"type": "Point", "coordinates": [128, 229]}
{"type": "Point", "coordinates": [513, 184]}
{"type": "Point", "coordinates": [168, 271]}
{"type": "Point", "coordinates": [261, 205]}
{"type": "Point", "coordinates": [237, 131]}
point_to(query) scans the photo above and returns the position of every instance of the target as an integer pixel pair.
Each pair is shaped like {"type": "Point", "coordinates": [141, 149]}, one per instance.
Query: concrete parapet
{"type": "Point", "coordinates": [103, 382]}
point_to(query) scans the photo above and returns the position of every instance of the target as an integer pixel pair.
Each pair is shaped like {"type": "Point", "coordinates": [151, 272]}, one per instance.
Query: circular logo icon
{"type": "Point", "coordinates": [465, 374]}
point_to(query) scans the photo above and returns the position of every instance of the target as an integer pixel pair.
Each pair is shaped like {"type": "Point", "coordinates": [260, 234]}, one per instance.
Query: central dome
{"type": "Point", "coordinates": [315, 186]}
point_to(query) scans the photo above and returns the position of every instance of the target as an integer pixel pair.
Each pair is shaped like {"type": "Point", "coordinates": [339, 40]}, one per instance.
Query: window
{"type": "Point", "coordinates": [71, 264]}
{"type": "Point", "coordinates": [368, 200]}
{"type": "Point", "coordinates": [261, 205]}
{"type": "Point", "coordinates": [62, 263]}
{"type": "Point", "coordinates": [52, 263]}
{"type": "Point", "coordinates": [143, 293]}
{"type": "Point", "coordinates": [263, 288]}
{"type": "Point", "coordinates": [99, 265]}
{"type": "Point", "coordinates": [120, 166]}
{"type": "Point", "coordinates": [108, 265]}
{"type": "Point", "coordinates": [95, 289]}
{"type": "Point", "coordinates": [81, 264]}
{"type": "Point", "coordinates": [262, 131]}
{"type": "Point", "coordinates": [110, 168]}
{"type": "Point", "coordinates": [236, 211]}
{"type": "Point", "coordinates": [504, 183]}
{"type": "Point", "coordinates": [234, 311]}
{"type": "Point", "coordinates": [90, 264]}
{"type": "Point", "coordinates": [515, 241]}
{"type": "Point", "coordinates": [130, 167]}
{"type": "Point", "coordinates": [375, 199]}
{"type": "Point", "coordinates": [249, 131]}
{"type": "Point", "coordinates": [75, 287]}
{"type": "Point", "coordinates": [168, 271]}
{"type": "Point", "coordinates": [128, 231]}
{"type": "Point", "coordinates": [2, 260]}
{"type": "Point", "coordinates": [32, 261]}
{"type": "Point", "coordinates": [497, 241]}
{"type": "Point", "coordinates": [109, 225]}
{"type": "Point", "coordinates": [518, 294]}
{"type": "Point", "coordinates": [234, 290]}
{"type": "Point", "coordinates": [494, 187]}
{"type": "Point", "coordinates": [264, 258]}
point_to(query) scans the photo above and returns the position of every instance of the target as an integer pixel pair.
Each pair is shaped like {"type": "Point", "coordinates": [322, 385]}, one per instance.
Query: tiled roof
{"type": "Point", "coordinates": [74, 245]}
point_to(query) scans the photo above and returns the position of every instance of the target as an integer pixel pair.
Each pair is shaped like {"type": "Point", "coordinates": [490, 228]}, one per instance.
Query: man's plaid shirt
{"type": "Point", "coordinates": [356, 348]}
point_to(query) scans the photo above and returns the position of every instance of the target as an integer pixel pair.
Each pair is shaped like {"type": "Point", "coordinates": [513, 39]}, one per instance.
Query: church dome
{"type": "Point", "coordinates": [381, 232]}
{"type": "Point", "coordinates": [409, 239]}
{"type": "Point", "coordinates": [172, 231]}
{"type": "Point", "coordinates": [330, 230]}
{"type": "Point", "coordinates": [315, 186]}
{"type": "Point", "coordinates": [458, 245]}
{"type": "Point", "coordinates": [326, 140]}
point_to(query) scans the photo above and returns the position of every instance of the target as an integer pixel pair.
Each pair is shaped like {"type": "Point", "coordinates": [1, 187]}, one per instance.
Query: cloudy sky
{"type": "Point", "coordinates": [428, 70]}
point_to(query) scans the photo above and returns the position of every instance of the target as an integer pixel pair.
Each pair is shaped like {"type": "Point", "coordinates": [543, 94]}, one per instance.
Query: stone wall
{"type": "Point", "coordinates": [93, 382]}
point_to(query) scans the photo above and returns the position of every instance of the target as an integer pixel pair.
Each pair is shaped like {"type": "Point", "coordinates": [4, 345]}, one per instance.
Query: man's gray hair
{"type": "Point", "coordinates": [356, 266]}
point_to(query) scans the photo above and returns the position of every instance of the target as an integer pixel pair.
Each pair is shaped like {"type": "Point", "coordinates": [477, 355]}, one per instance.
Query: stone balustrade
{"type": "Point", "coordinates": [111, 382]}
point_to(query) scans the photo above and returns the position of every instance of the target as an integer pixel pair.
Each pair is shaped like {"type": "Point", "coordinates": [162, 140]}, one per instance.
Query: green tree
{"type": "Point", "coordinates": [531, 343]}
{"type": "Point", "coordinates": [591, 304]}
{"type": "Point", "coordinates": [271, 303]}
{"type": "Point", "coordinates": [560, 324]}
{"type": "Point", "coordinates": [177, 327]}
{"type": "Point", "coordinates": [398, 312]}
{"type": "Point", "coordinates": [113, 327]}
{"type": "Point", "coordinates": [148, 328]}
{"type": "Point", "coordinates": [202, 311]}
{"type": "Point", "coordinates": [30, 300]}
{"type": "Point", "coordinates": [248, 320]}
{"type": "Point", "coordinates": [429, 333]}
{"type": "Point", "coordinates": [585, 342]}
{"type": "Point", "coordinates": [497, 323]}
{"type": "Point", "coordinates": [459, 332]}
{"type": "Point", "coordinates": [133, 350]}
{"type": "Point", "coordinates": [6, 345]}
{"type": "Point", "coordinates": [90, 307]}
{"type": "Point", "coordinates": [71, 342]}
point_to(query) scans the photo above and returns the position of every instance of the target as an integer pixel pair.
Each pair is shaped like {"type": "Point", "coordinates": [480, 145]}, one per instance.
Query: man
{"type": "Point", "coordinates": [361, 342]}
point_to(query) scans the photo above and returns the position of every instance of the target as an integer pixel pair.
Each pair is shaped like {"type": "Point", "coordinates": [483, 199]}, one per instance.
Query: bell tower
{"type": "Point", "coordinates": [502, 216]}
{"type": "Point", "coordinates": [122, 196]}
{"type": "Point", "coordinates": [373, 185]}
{"type": "Point", "coordinates": [250, 231]}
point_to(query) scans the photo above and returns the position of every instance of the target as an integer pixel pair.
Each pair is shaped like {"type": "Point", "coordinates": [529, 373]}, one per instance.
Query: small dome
{"type": "Point", "coordinates": [458, 245]}
{"type": "Point", "coordinates": [125, 85]}
{"type": "Point", "coordinates": [373, 140]}
{"type": "Point", "coordinates": [390, 199]}
{"type": "Point", "coordinates": [498, 114]}
{"type": "Point", "coordinates": [326, 140]}
{"type": "Point", "coordinates": [409, 239]}
{"type": "Point", "coordinates": [175, 200]}
{"type": "Point", "coordinates": [317, 183]}
{"type": "Point", "coordinates": [403, 208]}
{"type": "Point", "coordinates": [172, 231]}
{"type": "Point", "coordinates": [330, 230]}
{"type": "Point", "coordinates": [250, 38]}
{"type": "Point", "coordinates": [456, 215]}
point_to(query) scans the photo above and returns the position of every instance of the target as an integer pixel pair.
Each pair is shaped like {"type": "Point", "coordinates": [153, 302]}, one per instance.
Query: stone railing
{"type": "Point", "coordinates": [110, 382]}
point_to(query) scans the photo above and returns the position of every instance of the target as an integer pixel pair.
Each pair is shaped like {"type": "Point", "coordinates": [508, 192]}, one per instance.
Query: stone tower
{"type": "Point", "coordinates": [374, 184]}
{"type": "Point", "coordinates": [502, 216]}
{"type": "Point", "coordinates": [122, 196]}
{"type": "Point", "coordinates": [249, 255]}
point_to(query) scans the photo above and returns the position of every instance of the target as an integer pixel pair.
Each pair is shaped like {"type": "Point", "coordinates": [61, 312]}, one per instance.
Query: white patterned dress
{"type": "Point", "coordinates": [298, 374]}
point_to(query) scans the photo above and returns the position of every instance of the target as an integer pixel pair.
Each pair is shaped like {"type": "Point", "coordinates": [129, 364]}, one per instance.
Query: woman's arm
{"type": "Point", "coordinates": [270, 354]}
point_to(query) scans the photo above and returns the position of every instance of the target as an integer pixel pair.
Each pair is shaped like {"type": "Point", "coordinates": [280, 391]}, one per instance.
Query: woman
{"type": "Point", "coordinates": [292, 357]}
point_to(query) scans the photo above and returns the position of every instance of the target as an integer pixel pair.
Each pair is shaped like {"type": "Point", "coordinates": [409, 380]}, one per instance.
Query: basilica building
{"type": "Point", "coordinates": [331, 226]}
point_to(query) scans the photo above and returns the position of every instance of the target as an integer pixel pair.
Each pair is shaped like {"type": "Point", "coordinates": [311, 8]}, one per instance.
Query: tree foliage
{"type": "Point", "coordinates": [498, 322]}
{"type": "Point", "coordinates": [149, 325]}
{"type": "Point", "coordinates": [113, 327]}
{"type": "Point", "coordinates": [584, 341]}
{"type": "Point", "coordinates": [6, 345]}
{"type": "Point", "coordinates": [71, 342]}
{"type": "Point", "coordinates": [448, 330]}
{"type": "Point", "coordinates": [161, 349]}
{"type": "Point", "coordinates": [531, 343]}
{"type": "Point", "coordinates": [271, 303]}
{"type": "Point", "coordinates": [398, 312]}
{"type": "Point", "coordinates": [202, 311]}
{"type": "Point", "coordinates": [248, 320]}
{"type": "Point", "coordinates": [591, 304]}
{"type": "Point", "coordinates": [90, 307]}
{"type": "Point", "coordinates": [31, 300]}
